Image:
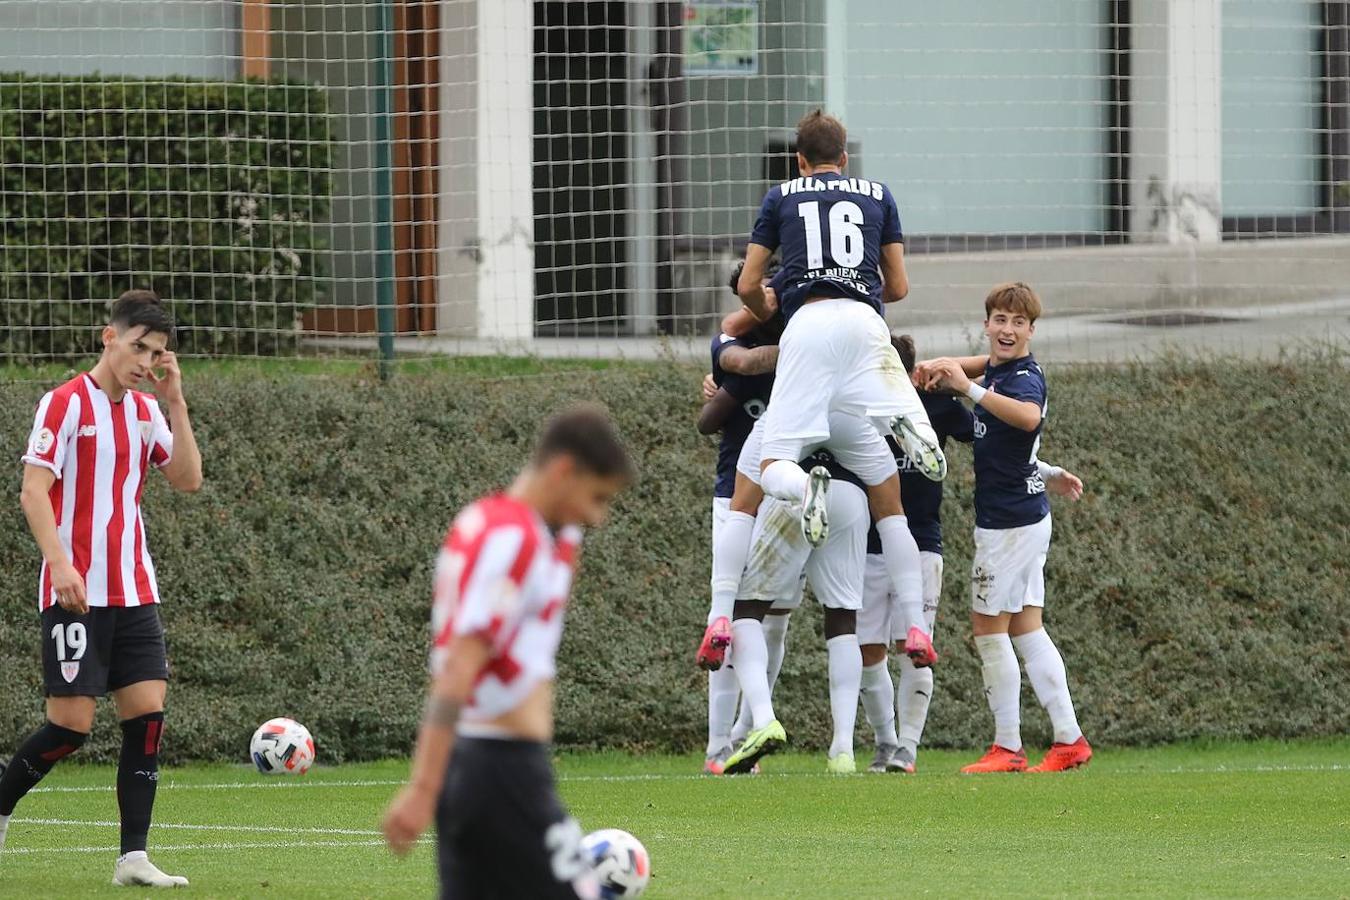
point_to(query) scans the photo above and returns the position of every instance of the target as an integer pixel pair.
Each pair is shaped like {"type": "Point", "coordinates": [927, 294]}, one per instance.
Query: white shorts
{"type": "Point", "coordinates": [834, 356]}
{"type": "Point", "coordinates": [721, 508]}
{"type": "Point", "coordinates": [877, 619]}
{"type": "Point", "coordinates": [779, 553]}
{"type": "Point", "coordinates": [1009, 568]}
{"type": "Point", "coordinates": [855, 442]}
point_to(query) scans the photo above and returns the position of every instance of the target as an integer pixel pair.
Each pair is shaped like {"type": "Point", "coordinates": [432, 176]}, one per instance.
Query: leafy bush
{"type": "Point", "coordinates": [207, 192]}
{"type": "Point", "coordinates": [1198, 590]}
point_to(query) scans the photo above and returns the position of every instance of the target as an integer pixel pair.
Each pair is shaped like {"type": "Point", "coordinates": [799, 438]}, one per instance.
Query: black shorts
{"type": "Point", "coordinates": [502, 831]}
{"type": "Point", "coordinates": [105, 649]}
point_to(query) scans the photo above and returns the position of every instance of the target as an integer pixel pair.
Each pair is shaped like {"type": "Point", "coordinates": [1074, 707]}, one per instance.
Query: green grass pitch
{"type": "Point", "coordinates": [1229, 820]}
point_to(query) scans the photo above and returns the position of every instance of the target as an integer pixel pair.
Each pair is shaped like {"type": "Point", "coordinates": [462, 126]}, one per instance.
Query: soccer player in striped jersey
{"type": "Point", "coordinates": [481, 766]}
{"type": "Point", "coordinates": [94, 441]}
{"type": "Point", "coordinates": [1012, 530]}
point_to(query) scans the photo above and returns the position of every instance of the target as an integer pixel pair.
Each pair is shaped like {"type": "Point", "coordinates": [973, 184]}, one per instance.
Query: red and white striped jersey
{"type": "Point", "coordinates": [100, 452]}
{"type": "Point", "coordinates": [503, 576]}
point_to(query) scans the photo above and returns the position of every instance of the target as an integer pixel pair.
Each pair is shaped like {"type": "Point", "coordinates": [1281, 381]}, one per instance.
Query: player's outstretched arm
{"type": "Point", "coordinates": [184, 468]}
{"type": "Point", "coordinates": [751, 288]}
{"type": "Point", "coordinates": [35, 498]}
{"type": "Point", "coordinates": [949, 373]}
{"type": "Point", "coordinates": [1060, 482]}
{"type": "Point", "coordinates": [410, 814]}
{"type": "Point", "coordinates": [716, 411]}
{"type": "Point", "coordinates": [749, 360]}
{"type": "Point", "coordinates": [895, 284]}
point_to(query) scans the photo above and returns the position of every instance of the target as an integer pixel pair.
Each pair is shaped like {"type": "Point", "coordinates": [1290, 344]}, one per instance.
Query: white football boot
{"type": "Point", "coordinates": [135, 868]}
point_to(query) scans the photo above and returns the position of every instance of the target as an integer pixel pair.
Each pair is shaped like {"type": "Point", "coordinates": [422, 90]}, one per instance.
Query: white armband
{"type": "Point", "coordinates": [1047, 471]}
{"type": "Point", "coordinates": [975, 392]}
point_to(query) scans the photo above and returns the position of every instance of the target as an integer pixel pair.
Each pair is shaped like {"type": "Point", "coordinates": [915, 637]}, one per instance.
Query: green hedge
{"type": "Point", "coordinates": [1199, 589]}
{"type": "Point", "coordinates": [207, 192]}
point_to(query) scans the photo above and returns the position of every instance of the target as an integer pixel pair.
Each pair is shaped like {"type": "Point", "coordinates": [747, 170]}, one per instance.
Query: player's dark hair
{"type": "Point", "coordinates": [586, 433]}
{"type": "Point", "coordinates": [1015, 297]}
{"type": "Point", "coordinates": [904, 345]}
{"type": "Point", "coordinates": [821, 138]}
{"type": "Point", "coordinates": [769, 272]}
{"type": "Point", "coordinates": [140, 308]}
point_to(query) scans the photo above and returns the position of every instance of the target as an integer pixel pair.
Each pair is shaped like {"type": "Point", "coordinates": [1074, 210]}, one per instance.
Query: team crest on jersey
{"type": "Point", "coordinates": [69, 671]}
{"type": "Point", "coordinates": [43, 440]}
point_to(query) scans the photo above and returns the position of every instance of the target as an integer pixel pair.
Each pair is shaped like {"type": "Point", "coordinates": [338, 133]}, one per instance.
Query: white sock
{"type": "Point", "coordinates": [752, 669]}
{"type": "Point", "coordinates": [1045, 671]}
{"type": "Point", "coordinates": [722, 694]}
{"type": "Point", "coordinates": [878, 692]}
{"type": "Point", "coordinates": [4, 826]}
{"type": "Point", "coordinates": [775, 636]}
{"type": "Point", "coordinates": [1002, 687]}
{"type": "Point", "coordinates": [903, 564]}
{"type": "Point", "coordinates": [912, 696]}
{"type": "Point", "coordinates": [785, 480]}
{"type": "Point", "coordinates": [133, 855]}
{"type": "Point", "coordinates": [845, 681]}
{"type": "Point", "coordinates": [731, 548]}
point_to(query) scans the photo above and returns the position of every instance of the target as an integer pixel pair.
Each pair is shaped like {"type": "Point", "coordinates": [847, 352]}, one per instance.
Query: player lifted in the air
{"type": "Point", "coordinates": [481, 766]}
{"type": "Point", "coordinates": [842, 257]}
{"type": "Point", "coordinates": [1012, 530]}
{"type": "Point", "coordinates": [93, 444]}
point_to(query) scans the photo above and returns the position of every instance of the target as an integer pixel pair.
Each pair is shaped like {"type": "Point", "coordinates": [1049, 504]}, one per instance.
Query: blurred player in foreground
{"type": "Point", "coordinates": [481, 766]}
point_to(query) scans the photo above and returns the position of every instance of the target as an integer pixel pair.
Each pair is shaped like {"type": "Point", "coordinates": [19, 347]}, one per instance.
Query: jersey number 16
{"type": "Point", "coordinates": [846, 237]}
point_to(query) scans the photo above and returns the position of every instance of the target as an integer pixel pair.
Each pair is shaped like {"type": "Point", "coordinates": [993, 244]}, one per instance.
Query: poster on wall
{"type": "Point", "coordinates": [721, 38]}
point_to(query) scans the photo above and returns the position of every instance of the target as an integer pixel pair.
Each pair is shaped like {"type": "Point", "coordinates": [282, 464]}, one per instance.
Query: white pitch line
{"type": "Point", "coordinates": [158, 848]}
{"type": "Point", "coordinates": [261, 829]}
{"type": "Point", "coordinates": [669, 776]}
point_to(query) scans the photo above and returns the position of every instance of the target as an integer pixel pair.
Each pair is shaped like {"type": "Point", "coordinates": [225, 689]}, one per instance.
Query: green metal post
{"type": "Point", "coordinates": [384, 188]}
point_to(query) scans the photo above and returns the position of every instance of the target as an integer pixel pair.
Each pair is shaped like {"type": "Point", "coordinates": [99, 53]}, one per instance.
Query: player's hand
{"type": "Point", "coordinates": [1065, 484]}
{"type": "Point", "coordinates": [945, 372]}
{"type": "Point", "coordinates": [709, 387]}
{"type": "Point", "coordinates": [68, 588]}
{"type": "Point", "coordinates": [407, 818]}
{"type": "Point", "coordinates": [168, 386]}
{"type": "Point", "coordinates": [770, 301]}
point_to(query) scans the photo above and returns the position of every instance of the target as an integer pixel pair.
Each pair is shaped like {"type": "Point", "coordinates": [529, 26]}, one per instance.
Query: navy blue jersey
{"type": "Point", "coordinates": [752, 396]}
{"type": "Point", "coordinates": [1009, 492]}
{"type": "Point", "coordinates": [921, 497]}
{"type": "Point", "coordinates": [829, 230]}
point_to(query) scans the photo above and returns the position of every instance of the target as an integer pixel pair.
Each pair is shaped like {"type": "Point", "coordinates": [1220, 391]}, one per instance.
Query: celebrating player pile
{"type": "Point", "coordinates": [93, 442]}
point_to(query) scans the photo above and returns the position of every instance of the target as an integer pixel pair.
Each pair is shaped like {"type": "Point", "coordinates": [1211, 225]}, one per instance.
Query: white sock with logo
{"type": "Point", "coordinates": [1002, 687]}
{"type": "Point", "coordinates": [845, 663]}
{"type": "Point", "coordinates": [1045, 671]}
{"type": "Point", "coordinates": [878, 692]}
{"type": "Point", "coordinates": [904, 566]}
{"type": "Point", "coordinates": [912, 696]}
{"type": "Point", "coordinates": [722, 694]}
{"type": "Point", "coordinates": [731, 548]}
{"type": "Point", "coordinates": [785, 480]}
{"type": "Point", "coordinates": [752, 669]}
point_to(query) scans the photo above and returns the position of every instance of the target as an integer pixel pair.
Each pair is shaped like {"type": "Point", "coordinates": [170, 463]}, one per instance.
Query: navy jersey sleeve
{"type": "Point", "coordinates": [890, 221]}
{"type": "Point", "coordinates": [766, 226]}
{"type": "Point", "coordinates": [1025, 384]}
{"type": "Point", "coordinates": [959, 423]}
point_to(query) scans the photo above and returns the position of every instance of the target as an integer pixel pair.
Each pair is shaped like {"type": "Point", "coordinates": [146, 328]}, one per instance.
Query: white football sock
{"type": "Point", "coordinates": [1002, 687]}
{"type": "Point", "coordinates": [775, 636]}
{"type": "Point", "coordinates": [722, 694]}
{"type": "Point", "coordinates": [731, 548]}
{"type": "Point", "coordinates": [901, 556]}
{"type": "Point", "coordinates": [752, 669]}
{"type": "Point", "coordinates": [878, 693]}
{"type": "Point", "coordinates": [1045, 671]}
{"type": "Point", "coordinates": [785, 480]}
{"type": "Point", "coordinates": [912, 696]}
{"type": "Point", "coordinates": [845, 661]}
{"type": "Point", "coordinates": [4, 826]}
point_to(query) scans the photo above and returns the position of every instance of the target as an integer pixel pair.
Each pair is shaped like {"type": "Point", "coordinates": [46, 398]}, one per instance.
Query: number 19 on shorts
{"type": "Point", "coordinates": [69, 636]}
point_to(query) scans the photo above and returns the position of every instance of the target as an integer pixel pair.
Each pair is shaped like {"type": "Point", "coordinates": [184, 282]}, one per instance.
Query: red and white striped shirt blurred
{"type": "Point", "coordinates": [100, 452]}
{"type": "Point", "coordinates": [503, 576]}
